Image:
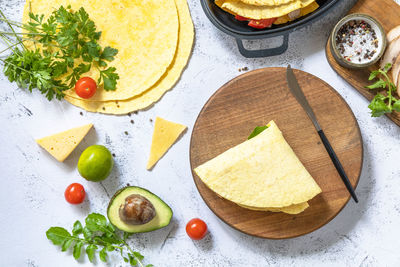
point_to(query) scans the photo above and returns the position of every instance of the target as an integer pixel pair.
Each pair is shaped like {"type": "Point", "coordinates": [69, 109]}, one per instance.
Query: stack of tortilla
{"type": "Point", "coordinates": [283, 10]}
{"type": "Point", "coordinates": [154, 41]}
{"type": "Point", "coordinates": [262, 174]}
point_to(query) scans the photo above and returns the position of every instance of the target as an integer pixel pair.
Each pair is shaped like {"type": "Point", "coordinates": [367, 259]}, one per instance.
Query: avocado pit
{"type": "Point", "coordinates": [136, 210]}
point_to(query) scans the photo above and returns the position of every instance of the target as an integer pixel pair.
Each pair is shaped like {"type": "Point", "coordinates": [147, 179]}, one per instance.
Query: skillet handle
{"type": "Point", "coordinates": [269, 52]}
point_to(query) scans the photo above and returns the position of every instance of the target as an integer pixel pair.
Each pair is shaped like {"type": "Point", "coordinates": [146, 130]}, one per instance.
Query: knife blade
{"type": "Point", "coordinates": [295, 89]}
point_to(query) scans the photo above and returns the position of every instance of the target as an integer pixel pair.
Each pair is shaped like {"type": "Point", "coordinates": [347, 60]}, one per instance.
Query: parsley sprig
{"type": "Point", "coordinates": [386, 102]}
{"type": "Point", "coordinates": [62, 40]}
{"type": "Point", "coordinates": [97, 236]}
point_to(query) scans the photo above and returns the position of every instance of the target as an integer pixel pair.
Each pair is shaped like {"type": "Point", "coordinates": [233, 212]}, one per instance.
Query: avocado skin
{"type": "Point", "coordinates": [153, 228]}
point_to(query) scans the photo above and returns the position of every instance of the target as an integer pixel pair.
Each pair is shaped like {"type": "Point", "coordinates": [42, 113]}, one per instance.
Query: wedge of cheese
{"type": "Point", "coordinates": [164, 136]}
{"type": "Point", "coordinates": [262, 173]}
{"type": "Point", "coordinates": [61, 145]}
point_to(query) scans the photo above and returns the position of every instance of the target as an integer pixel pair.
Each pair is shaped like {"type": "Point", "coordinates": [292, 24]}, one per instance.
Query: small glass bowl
{"type": "Point", "coordinates": [380, 35]}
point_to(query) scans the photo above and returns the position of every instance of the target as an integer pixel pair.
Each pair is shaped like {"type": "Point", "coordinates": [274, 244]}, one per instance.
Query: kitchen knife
{"type": "Point", "coordinates": [299, 95]}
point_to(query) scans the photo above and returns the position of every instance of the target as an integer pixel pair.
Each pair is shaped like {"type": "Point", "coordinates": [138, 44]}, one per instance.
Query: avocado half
{"type": "Point", "coordinates": [163, 211]}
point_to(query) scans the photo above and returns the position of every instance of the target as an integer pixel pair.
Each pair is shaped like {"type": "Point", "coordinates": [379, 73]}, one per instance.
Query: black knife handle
{"type": "Point", "coordinates": [338, 165]}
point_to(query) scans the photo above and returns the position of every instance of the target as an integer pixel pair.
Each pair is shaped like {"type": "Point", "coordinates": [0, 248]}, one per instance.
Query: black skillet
{"type": "Point", "coordinates": [241, 31]}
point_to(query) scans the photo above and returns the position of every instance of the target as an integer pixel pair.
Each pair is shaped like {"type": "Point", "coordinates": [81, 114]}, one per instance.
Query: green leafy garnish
{"type": "Point", "coordinates": [257, 131]}
{"type": "Point", "coordinates": [387, 102]}
{"type": "Point", "coordinates": [97, 236]}
{"type": "Point", "coordinates": [65, 38]}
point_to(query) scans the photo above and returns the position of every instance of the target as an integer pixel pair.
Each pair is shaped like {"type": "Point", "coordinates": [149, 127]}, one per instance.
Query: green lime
{"type": "Point", "coordinates": [95, 163]}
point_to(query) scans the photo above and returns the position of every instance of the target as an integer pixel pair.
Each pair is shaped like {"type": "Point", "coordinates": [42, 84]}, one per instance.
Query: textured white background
{"type": "Point", "coordinates": [32, 183]}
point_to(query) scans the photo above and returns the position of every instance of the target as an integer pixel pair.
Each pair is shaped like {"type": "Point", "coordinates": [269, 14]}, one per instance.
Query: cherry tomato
{"type": "Point", "coordinates": [196, 229]}
{"type": "Point", "coordinates": [240, 18]}
{"type": "Point", "coordinates": [75, 193]}
{"type": "Point", "coordinates": [261, 23]}
{"type": "Point", "coordinates": [85, 87]}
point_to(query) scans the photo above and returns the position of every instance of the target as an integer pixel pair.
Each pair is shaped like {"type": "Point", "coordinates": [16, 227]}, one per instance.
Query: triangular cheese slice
{"type": "Point", "coordinates": [262, 172]}
{"type": "Point", "coordinates": [164, 136]}
{"type": "Point", "coordinates": [62, 144]}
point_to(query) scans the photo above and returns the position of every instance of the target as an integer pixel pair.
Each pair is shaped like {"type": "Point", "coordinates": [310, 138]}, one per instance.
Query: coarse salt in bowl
{"type": "Point", "coordinates": [357, 41]}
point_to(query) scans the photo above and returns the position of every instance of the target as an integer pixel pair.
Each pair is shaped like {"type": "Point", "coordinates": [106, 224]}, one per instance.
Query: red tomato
{"type": "Point", "coordinates": [75, 193]}
{"type": "Point", "coordinates": [240, 18]}
{"type": "Point", "coordinates": [85, 87]}
{"type": "Point", "coordinates": [196, 229]}
{"type": "Point", "coordinates": [261, 23]}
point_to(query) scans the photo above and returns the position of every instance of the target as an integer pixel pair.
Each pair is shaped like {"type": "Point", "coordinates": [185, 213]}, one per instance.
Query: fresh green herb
{"type": "Point", "coordinates": [387, 102]}
{"type": "Point", "coordinates": [97, 236]}
{"type": "Point", "coordinates": [69, 48]}
{"type": "Point", "coordinates": [257, 131]}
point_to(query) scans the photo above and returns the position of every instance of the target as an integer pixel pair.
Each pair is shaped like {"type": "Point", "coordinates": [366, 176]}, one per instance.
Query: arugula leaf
{"type": "Point", "coordinates": [77, 249]}
{"type": "Point", "coordinates": [67, 244]}
{"type": "Point", "coordinates": [257, 131]}
{"type": "Point", "coordinates": [103, 255]}
{"type": "Point", "coordinates": [87, 233]}
{"type": "Point", "coordinates": [77, 228]}
{"type": "Point", "coordinates": [58, 235]}
{"type": "Point", "coordinates": [88, 238]}
{"type": "Point", "coordinates": [132, 260]}
{"type": "Point", "coordinates": [91, 251]}
{"type": "Point", "coordinates": [96, 222]}
{"type": "Point", "coordinates": [138, 255]}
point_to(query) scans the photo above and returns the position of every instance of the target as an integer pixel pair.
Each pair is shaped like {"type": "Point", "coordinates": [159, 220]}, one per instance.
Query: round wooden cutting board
{"type": "Point", "coordinates": [255, 98]}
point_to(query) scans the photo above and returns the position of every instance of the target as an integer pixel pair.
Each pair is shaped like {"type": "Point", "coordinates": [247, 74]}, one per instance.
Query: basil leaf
{"type": "Point", "coordinates": [257, 131]}
{"type": "Point", "coordinates": [77, 249]}
{"type": "Point", "coordinates": [77, 228]}
{"type": "Point", "coordinates": [91, 251]}
{"type": "Point", "coordinates": [58, 235]}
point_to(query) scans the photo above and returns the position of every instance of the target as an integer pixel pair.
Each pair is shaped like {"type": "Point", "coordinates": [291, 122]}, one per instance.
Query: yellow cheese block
{"type": "Point", "coordinates": [164, 136]}
{"type": "Point", "coordinates": [62, 144]}
{"type": "Point", "coordinates": [262, 172]}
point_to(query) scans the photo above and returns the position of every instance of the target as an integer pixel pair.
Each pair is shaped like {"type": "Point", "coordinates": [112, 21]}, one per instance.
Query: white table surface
{"type": "Point", "coordinates": [32, 183]}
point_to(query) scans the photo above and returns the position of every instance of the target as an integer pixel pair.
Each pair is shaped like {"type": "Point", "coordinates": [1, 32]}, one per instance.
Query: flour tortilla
{"type": "Point", "coordinates": [236, 7]}
{"type": "Point", "coordinates": [292, 209]}
{"type": "Point", "coordinates": [145, 32]}
{"type": "Point", "coordinates": [266, 2]}
{"type": "Point", "coordinates": [303, 11]}
{"type": "Point", "coordinates": [185, 43]}
{"type": "Point", "coordinates": [262, 172]}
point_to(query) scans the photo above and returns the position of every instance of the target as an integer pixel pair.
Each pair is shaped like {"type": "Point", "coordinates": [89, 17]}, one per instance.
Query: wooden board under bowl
{"type": "Point", "coordinates": [387, 12]}
{"type": "Point", "coordinates": [255, 98]}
